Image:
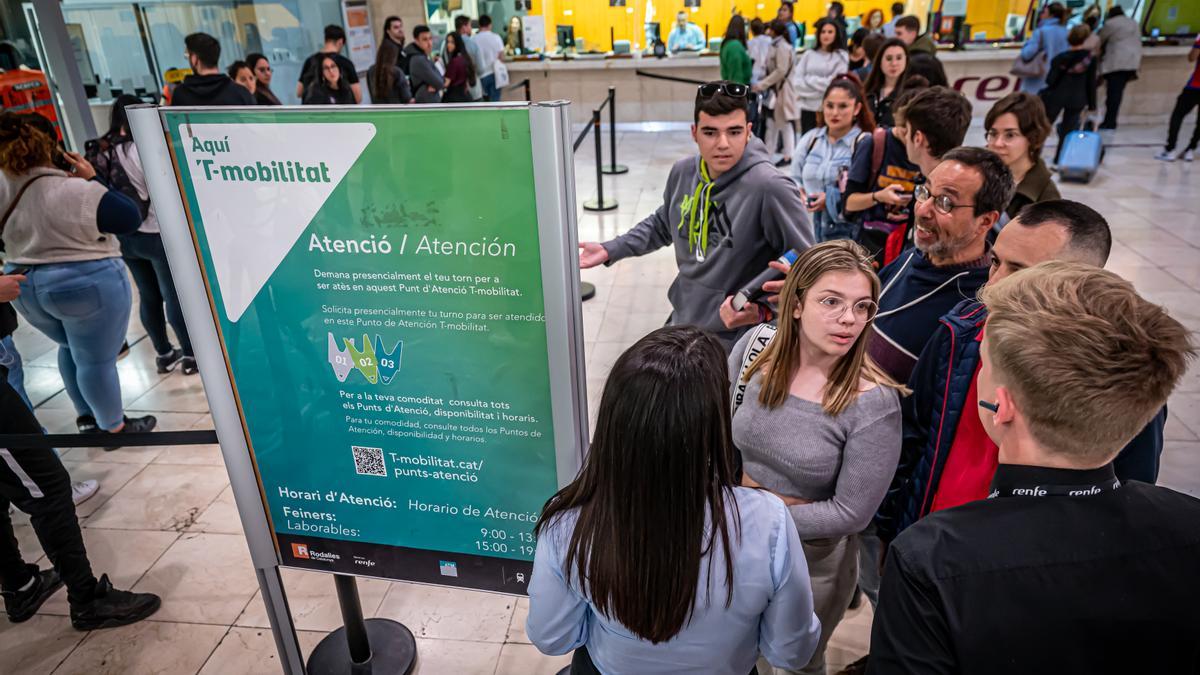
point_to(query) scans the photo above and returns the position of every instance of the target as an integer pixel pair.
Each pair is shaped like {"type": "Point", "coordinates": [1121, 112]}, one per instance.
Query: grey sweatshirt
{"type": "Point", "coordinates": [842, 464]}
{"type": "Point", "coordinates": [754, 215]}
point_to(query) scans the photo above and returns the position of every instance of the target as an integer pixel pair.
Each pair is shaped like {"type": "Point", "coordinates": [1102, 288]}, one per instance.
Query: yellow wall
{"type": "Point", "coordinates": [592, 18]}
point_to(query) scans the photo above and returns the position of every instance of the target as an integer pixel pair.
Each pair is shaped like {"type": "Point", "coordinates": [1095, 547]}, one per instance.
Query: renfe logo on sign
{"type": "Point", "coordinates": [992, 88]}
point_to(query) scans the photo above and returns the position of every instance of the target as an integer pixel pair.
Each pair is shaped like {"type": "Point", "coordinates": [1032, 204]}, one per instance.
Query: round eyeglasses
{"type": "Point", "coordinates": [941, 202]}
{"type": "Point", "coordinates": [834, 307]}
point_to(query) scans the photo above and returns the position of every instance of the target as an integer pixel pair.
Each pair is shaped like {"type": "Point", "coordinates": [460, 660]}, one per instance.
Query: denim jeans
{"type": "Point", "coordinates": [490, 92]}
{"type": "Point", "coordinates": [84, 307]}
{"type": "Point", "coordinates": [147, 260]}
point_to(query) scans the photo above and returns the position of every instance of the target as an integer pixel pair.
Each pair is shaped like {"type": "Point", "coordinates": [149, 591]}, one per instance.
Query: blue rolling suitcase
{"type": "Point", "coordinates": [1081, 155]}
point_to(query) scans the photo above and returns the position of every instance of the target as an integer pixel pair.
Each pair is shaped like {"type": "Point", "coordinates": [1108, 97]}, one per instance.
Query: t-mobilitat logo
{"type": "Point", "coordinates": [258, 187]}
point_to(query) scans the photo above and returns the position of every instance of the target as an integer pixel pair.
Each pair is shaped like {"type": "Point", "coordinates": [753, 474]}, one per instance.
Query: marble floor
{"type": "Point", "coordinates": [165, 520]}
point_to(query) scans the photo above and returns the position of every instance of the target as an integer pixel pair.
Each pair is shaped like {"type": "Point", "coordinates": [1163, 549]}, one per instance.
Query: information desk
{"type": "Point", "coordinates": [982, 75]}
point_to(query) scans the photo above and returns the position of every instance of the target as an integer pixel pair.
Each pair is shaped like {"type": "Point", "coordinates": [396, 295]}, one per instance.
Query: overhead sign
{"type": "Point", "coordinates": [405, 370]}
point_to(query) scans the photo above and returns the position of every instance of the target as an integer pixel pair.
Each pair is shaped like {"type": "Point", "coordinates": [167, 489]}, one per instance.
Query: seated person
{"type": "Point", "coordinates": [685, 36]}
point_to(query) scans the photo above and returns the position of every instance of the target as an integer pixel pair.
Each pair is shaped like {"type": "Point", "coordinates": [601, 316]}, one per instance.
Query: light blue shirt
{"type": "Point", "coordinates": [690, 37]}
{"type": "Point", "coordinates": [1051, 37]}
{"type": "Point", "coordinates": [817, 169]}
{"type": "Point", "coordinates": [771, 611]}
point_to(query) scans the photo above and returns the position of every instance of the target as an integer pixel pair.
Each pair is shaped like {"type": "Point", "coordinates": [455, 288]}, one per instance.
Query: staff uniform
{"type": "Point", "coordinates": [1061, 571]}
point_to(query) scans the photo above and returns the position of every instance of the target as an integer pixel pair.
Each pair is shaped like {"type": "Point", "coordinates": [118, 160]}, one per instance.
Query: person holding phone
{"type": "Point", "coordinates": [62, 226]}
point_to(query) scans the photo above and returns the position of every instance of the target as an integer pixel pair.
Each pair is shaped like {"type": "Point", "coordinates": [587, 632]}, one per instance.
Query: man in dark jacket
{"type": "Point", "coordinates": [427, 80]}
{"type": "Point", "coordinates": [208, 85]}
{"type": "Point", "coordinates": [1064, 568]}
{"type": "Point", "coordinates": [947, 460]}
{"type": "Point", "coordinates": [954, 210]}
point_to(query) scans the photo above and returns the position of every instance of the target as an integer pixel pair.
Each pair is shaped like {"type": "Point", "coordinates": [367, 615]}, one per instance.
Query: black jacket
{"type": "Point", "coordinates": [1063, 571]}
{"type": "Point", "coordinates": [8, 319]}
{"type": "Point", "coordinates": [319, 94]}
{"type": "Point", "coordinates": [216, 89]}
{"type": "Point", "coordinates": [1071, 81]}
{"type": "Point", "coordinates": [400, 91]}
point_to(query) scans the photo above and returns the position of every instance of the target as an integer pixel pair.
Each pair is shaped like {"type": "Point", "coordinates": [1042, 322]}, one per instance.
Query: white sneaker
{"type": "Point", "coordinates": [1189, 156]}
{"type": "Point", "coordinates": [1167, 155]}
{"type": "Point", "coordinates": [83, 490]}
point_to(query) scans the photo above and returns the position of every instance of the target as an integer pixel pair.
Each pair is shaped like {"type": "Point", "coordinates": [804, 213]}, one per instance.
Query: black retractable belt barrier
{"type": "Point", "coordinates": [107, 440]}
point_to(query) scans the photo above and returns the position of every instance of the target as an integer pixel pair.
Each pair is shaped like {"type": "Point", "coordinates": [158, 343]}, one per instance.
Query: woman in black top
{"type": "Point", "coordinates": [385, 80]}
{"type": "Point", "coordinates": [889, 69]}
{"type": "Point", "coordinates": [262, 72]}
{"type": "Point", "coordinates": [1070, 84]}
{"type": "Point", "coordinates": [329, 89]}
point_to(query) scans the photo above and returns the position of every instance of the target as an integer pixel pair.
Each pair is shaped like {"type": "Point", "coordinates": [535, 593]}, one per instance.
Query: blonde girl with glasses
{"type": "Point", "coordinates": [816, 421]}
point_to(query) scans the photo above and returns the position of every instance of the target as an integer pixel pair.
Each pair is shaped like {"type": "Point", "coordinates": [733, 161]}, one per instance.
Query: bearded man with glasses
{"type": "Point", "coordinates": [728, 212]}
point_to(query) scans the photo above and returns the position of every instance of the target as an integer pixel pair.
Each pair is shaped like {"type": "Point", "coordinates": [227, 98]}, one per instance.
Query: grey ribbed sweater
{"type": "Point", "coordinates": [842, 464]}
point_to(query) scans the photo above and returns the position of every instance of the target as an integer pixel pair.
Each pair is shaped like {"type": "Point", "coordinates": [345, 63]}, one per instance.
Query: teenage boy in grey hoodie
{"type": "Point", "coordinates": [728, 212]}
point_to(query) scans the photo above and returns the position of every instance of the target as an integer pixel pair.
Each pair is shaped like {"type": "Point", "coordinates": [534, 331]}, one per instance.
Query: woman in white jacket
{"type": "Point", "coordinates": [817, 68]}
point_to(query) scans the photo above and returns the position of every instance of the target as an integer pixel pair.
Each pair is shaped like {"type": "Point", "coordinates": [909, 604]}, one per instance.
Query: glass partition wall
{"type": "Point", "coordinates": [127, 47]}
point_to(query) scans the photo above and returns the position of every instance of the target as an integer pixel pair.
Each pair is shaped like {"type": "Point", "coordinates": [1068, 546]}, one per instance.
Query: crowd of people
{"type": "Point", "coordinates": [938, 392]}
{"type": "Point", "coordinates": [463, 72]}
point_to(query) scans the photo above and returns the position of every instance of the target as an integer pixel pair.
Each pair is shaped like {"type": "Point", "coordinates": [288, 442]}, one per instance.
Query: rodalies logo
{"type": "Point", "coordinates": [373, 361]}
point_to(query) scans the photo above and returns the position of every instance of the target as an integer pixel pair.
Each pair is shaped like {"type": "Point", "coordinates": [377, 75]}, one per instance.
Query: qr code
{"type": "Point", "coordinates": [368, 461]}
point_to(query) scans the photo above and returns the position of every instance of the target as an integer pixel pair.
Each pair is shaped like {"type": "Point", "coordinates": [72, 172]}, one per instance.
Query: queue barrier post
{"type": "Point", "coordinates": [362, 646]}
{"type": "Point", "coordinates": [613, 168]}
{"type": "Point", "coordinates": [599, 203]}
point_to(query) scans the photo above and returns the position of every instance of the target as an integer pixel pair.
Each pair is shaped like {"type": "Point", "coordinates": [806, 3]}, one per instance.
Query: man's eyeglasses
{"type": "Point", "coordinates": [728, 88]}
{"type": "Point", "coordinates": [834, 307]}
{"type": "Point", "coordinates": [941, 202]}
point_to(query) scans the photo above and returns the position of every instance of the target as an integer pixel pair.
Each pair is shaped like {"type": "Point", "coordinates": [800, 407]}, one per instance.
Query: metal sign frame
{"type": "Point", "coordinates": [554, 187]}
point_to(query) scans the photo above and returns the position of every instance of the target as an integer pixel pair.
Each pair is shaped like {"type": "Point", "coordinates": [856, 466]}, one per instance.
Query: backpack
{"type": "Point", "coordinates": [103, 156]}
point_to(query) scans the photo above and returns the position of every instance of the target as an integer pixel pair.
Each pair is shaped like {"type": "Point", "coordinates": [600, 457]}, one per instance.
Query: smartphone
{"type": "Point", "coordinates": [18, 270]}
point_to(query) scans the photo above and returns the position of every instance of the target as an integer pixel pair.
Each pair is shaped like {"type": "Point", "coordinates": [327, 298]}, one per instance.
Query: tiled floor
{"type": "Point", "coordinates": [165, 520]}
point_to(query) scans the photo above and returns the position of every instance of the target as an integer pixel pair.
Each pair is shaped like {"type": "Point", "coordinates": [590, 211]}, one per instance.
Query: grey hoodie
{"type": "Point", "coordinates": [754, 214]}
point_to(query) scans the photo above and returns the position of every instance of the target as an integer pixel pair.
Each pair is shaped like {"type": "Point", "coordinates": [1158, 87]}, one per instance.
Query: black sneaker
{"type": "Point", "coordinates": [167, 362]}
{"type": "Point", "coordinates": [110, 608]}
{"type": "Point", "coordinates": [22, 605]}
{"type": "Point", "coordinates": [87, 424]}
{"type": "Point", "coordinates": [189, 366]}
{"type": "Point", "coordinates": [135, 425]}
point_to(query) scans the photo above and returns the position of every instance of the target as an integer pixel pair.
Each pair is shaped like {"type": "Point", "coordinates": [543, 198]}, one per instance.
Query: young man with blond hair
{"type": "Point", "coordinates": [1064, 568]}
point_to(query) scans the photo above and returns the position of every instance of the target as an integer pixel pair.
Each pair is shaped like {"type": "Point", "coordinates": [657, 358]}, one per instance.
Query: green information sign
{"type": "Point", "coordinates": [389, 288]}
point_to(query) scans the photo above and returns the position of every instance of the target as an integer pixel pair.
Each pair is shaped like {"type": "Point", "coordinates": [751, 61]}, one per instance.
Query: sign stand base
{"type": "Point", "coordinates": [587, 291]}
{"type": "Point", "coordinates": [362, 647]}
{"type": "Point", "coordinates": [614, 169]}
{"type": "Point", "coordinates": [597, 205]}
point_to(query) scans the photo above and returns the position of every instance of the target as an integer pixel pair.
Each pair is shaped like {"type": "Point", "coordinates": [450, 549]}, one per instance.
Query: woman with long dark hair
{"type": "Point", "coordinates": [385, 80]}
{"type": "Point", "coordinates": [825, 153]}
{"type": "Point", "coordinates": [262, 73]}
{"type": "Point", "coordinates": [329, 88]}
{"type": "Point", "coordinates": [460, 71]}
{"type": "Point", "coordinates": [653, 560]}
{"type": "Point", "coordinates": [817, 68]}
{"type": "Point", "coordinates": [143, 250]}
{"type": "Point", "coordinates": [735, 60]}
{"type": "Point", "coordinates": [888, 72]}
{"type": "Point", "coordinates": [819, 422]}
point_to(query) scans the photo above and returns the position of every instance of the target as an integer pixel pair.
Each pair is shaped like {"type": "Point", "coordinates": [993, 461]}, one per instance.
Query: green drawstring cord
{"type": "Point", "coordinates": [699, 231]}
